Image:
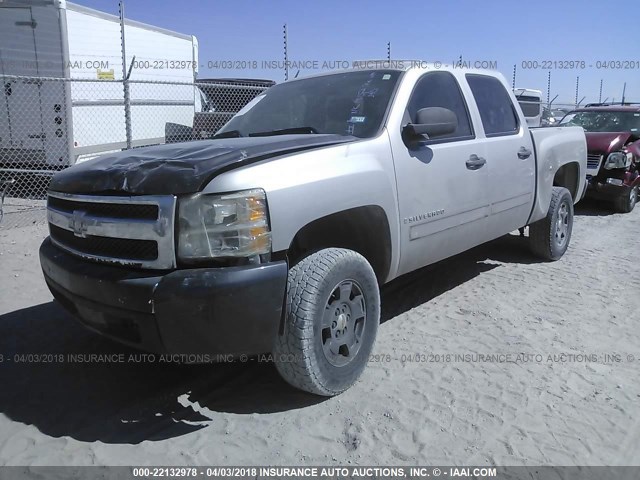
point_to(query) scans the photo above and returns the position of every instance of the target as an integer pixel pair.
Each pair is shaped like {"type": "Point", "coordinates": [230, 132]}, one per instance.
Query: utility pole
{"type": "Point", "coordinates": [549, 89]}
{"type": "Point", "coordinates": [513, 82]}
{"type": "Point", "coordinates": [577, 88]}
{"type": "Point", "coordinates": [389, 51]}
{"type": "Point", "coordinates": [286, 55]}
{"type": "Point", "coordinates": [624, 89]}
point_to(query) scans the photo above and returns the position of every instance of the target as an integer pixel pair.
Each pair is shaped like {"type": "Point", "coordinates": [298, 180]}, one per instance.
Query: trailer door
{"type": "Point", "coordinates": [21, 130]}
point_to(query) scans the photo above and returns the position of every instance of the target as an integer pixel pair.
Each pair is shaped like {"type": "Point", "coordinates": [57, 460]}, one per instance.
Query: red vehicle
{"type": "Point", "coordinates": [613, 146]}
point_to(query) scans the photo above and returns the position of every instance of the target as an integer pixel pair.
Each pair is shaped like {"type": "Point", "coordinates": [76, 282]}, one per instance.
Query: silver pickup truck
{"type": "Point", "coordinates": [275, 235]}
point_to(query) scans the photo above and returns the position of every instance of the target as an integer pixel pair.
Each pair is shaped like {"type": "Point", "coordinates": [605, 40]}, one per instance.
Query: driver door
{"type": "Point", "coordinates": [442, 182]}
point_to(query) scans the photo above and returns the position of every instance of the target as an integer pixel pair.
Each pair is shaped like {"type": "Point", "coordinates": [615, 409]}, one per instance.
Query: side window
{"type": "Point", "coordinates": [440, 89]}
{"type": "Point", "coordinates": [496, 110]}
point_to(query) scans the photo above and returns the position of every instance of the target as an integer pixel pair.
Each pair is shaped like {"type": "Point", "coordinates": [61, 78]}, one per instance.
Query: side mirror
{"type": "Point", "coordinates": [432, 122]}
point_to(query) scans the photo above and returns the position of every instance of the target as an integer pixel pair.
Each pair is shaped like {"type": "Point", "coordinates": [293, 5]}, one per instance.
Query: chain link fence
{"type": "Point", "coordinates": [49, 124]}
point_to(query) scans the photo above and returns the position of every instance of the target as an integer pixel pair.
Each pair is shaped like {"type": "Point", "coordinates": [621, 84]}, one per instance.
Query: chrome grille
{"type": "Point", "coordinates": [593, 161]}
{"type": "Point", "coordinates": [132, 231]}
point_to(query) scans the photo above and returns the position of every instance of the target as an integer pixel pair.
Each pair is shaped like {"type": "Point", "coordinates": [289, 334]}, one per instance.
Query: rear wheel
{"type": "Point", "coordinates": [626, 202]}
{"type": "Point", "coordinates": [332, 317]}
{"type": "Point", "coordinates": [549, 238]}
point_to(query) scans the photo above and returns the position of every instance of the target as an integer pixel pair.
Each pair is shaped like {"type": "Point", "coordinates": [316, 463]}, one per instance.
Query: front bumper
{"type": "Point", "coordinates": [598, 188]}
{"type": "Point", "coordinates": [218, 311]}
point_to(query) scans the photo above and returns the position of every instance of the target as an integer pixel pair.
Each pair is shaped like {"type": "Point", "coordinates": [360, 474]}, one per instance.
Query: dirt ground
{"type": "Point", "coordinates": [491, 357]}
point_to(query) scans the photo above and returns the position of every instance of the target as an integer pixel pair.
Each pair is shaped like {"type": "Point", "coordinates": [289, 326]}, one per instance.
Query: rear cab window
{"type": "Point", "coordinates": [497, 112]}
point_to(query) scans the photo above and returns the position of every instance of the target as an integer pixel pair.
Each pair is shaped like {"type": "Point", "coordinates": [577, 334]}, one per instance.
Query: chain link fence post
{"type": "Point", "coordinates": [125, 79]}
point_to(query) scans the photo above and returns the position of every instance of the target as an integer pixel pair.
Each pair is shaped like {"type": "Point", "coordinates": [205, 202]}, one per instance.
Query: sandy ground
{"type": "Point", "coordinates": [494, 300]}
{"type": "Point", "coordinates": [21, 212]}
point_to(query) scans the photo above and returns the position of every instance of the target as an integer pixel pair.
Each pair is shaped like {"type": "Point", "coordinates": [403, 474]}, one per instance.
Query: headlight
{"type": "Point", "coordinates": [231, 225]}
{"type": "Point", "coordinates": [618, 160]}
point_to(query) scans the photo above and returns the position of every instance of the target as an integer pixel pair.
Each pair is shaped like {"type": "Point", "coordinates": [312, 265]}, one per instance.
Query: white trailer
{"type": "Point", "coordinates": [61, 70]}
{"type": "Point", "coordinates": [530, 101]}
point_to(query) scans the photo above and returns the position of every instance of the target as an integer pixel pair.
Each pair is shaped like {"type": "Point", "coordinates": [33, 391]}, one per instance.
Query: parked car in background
{"type": "Point", "coordinates": [613, 141]}
{"type": "Point", "coordinates": [552, 117]}
{"type": "Point", "coordinates": [275, 235]}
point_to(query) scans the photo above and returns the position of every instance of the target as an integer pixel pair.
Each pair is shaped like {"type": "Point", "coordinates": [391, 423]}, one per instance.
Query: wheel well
{"type": "Point", "coordinates": [362, 229]}
{"type": "Point", "coordinates": [568, 177]}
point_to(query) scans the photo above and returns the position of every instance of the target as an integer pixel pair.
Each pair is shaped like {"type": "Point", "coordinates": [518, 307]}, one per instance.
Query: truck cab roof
{"type": "Point", "coordinates": [406, 65]}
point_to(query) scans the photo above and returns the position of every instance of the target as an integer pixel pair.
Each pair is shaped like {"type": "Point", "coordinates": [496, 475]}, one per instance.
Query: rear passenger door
{"type": "Point", "coordinates": [442, 181]}
{"type": "Point", "coordinates": [509, 154]}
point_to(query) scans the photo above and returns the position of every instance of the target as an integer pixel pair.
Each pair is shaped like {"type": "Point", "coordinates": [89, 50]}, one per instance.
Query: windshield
{"type": "Point", "coordinates": [598, 121]}
{"type": "Point", "coordinates": [352, 103]}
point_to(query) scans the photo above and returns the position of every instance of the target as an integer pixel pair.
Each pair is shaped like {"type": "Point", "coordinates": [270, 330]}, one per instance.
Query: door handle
{"type": "Point", "coordinates": [475, 162]}
{"type": "Point", "coordinates": [524, 153]}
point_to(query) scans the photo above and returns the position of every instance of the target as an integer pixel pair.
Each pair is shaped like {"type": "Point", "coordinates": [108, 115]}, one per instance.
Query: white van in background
{"type": "Point", "coordinates": [531, 104]}
{"type": "Point", "coordinates": [49, 124]}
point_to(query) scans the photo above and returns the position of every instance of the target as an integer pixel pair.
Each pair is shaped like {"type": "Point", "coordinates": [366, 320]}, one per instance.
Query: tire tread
{"type": "Point", "coordinates": [623, 205]}
{"type": "Point", "coordinates": [303, 284]}
{"type": "Point", "coordinates": [540, 236]}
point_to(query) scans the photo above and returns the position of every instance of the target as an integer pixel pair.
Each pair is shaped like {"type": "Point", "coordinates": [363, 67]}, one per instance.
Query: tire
{"type": "Point", "coordinates": [549, 238]}
{"type": "Point", "coordinates": [625, 203]}
{"type": "Point", "coordinates": [332, 297]}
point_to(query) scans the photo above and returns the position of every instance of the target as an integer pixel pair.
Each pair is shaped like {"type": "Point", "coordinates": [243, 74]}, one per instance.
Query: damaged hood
{"type": "Point", "coordinates": [180, 168]}
{"type": "Point", "coordinates": [607, 142]}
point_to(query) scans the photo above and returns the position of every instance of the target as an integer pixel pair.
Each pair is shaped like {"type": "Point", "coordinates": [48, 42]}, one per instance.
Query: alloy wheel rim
{"type": "Point", "coordinates": [343, 323]}
{"type": "Point", "coordinates": [562, 225]}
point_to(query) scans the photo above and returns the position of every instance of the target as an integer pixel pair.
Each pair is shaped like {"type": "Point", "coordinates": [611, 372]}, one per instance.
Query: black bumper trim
{"type": "Point", "coordinates": [605, 191]}
{"type": "Point", "coordinates": [234, 310]}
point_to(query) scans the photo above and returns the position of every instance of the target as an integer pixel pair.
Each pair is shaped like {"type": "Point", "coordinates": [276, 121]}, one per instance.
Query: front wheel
{"type": "Point", "coordinates": [332, 317]}
{"type": "Point", "coordinates": [549, 238]}
{"type": "Point", "coordinates": [626, 202]}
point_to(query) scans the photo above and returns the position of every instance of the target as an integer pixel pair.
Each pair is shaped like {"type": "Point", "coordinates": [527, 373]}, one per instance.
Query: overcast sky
{"type": "Point", "coordinates": [503, 32]}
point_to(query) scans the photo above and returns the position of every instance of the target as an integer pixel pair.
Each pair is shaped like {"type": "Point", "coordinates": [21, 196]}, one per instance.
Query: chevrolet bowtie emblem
{"type": "Point", "coordinates": [78, 223]}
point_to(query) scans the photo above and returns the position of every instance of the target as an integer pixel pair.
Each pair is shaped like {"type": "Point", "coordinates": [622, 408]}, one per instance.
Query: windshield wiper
{"type": "Point", "coordinates": [229, 134]}
{"type": "Point", "coordinates": [285, 131]}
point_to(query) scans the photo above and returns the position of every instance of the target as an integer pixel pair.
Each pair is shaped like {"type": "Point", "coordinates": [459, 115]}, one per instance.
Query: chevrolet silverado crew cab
{"type": "Point", "coordinates": [613, 151]}
{"type": "Point", "coordinates": [275, 235]}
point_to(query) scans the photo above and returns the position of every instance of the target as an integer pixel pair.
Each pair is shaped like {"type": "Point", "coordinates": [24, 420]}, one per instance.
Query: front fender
{"type": "Point", "coordinates": [631, 179]}
{"type": "Point", "coordinates": [306, 186]}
